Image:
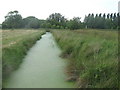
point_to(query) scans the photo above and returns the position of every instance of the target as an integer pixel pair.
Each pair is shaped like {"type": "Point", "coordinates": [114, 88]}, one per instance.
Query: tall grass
{"type": "Point", "coordinates": [15, 45]}
{"type": "Point", "coordinates": [92, 56]}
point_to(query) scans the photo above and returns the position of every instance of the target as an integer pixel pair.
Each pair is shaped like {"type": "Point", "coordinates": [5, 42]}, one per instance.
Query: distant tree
{"type": "Point", "coordinates": [100, 15]}
{"type": "Point", "coordinates": [43, 23]}
{"type": "Point", "coordinates": [89, 20]}
{"type": "Point", "coordinates": [96, 21]}
{"type": "Point", "coordinates": [74, 23]}
{"type": "Point", "coordinates": [31, 22]}
{"type": "Point", "coordinates": [111, 16]}
{"type": "Point", "coordinates": [12, 20]}
{"type": "Point", "coordinates": [108, 16]}
{"type": "Point", "coordinates": [115, 21]}
{"type": "Point", "coordinates": [0, 26]}
{"type": "Point", "coordinates": [56, 20]}
{"type": "Point", "coordinates": [100, 21]}
{"type": "Point", "coordinates": [104, 16]}
{"type": "Point", "coordinates": [118, 22]}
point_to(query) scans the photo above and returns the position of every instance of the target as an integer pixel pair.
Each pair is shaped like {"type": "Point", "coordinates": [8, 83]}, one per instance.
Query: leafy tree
{"type": "Point", "coordinates": [100, 21]}
{"type": "Point", "coordinates": [12, 20]}
{"type": "Point", "coordinates": [56, 20]}
{"type": "Point", "coordinates": [118, 20]}
{"type": "Point", "coordinates": [115, 21]}
{"type": "Point", "coordinates": [89, 21]}
{"type": "Point", "coordinates": [31, 22]}
{"type": "Point", "coordinates": [104, 16]}
{"type": "Point", "coordinates": [74, 23]}
{"type": "Point", "coordinates": [108, 16]}
{"type": "Point", "coordinates": [0, 26]}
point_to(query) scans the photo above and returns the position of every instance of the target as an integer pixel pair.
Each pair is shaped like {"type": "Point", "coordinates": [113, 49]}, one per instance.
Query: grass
{"type": "Point", "coordinates": [14, 47]}
{"type": "Point", "coordinates": [92, 56]}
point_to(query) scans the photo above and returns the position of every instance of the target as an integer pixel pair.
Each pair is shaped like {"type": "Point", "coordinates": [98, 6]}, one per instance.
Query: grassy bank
{"type": "Point", "coordinates": [92, 56]}
{"type": "Point", "coordinates": [14, 47]}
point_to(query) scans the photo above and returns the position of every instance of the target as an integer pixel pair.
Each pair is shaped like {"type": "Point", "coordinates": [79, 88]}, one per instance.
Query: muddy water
{"type": "Point", "coordinates": [41, 68]}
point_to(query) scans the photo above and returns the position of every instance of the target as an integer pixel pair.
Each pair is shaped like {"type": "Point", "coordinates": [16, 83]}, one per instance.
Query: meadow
{"type": "Point", "coordinates": [92, 56]}
{"type": "Point", "coordinates": [15, 44]}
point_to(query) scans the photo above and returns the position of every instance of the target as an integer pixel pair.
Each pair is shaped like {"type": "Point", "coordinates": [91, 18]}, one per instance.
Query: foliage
{"type": "Point", "coordinates": [74, 23]}
{"type": "Point", "coordinates": [0, 26]}
{"type": "Point", "coordinates": [31, 22]}
{"type": "Point", "coordinates": [58, 21]}
{"type": "Point", "coordinates": [104, 21]}
{"type": "Point", "coordinates": [12, 20]}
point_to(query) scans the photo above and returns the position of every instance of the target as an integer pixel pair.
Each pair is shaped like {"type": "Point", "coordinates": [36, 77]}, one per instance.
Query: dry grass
{"type": "Point", "coordinates": [10, 36]}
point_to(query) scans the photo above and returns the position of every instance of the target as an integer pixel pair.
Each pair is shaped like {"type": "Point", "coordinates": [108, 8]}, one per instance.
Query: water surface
{"type": "Point", "coordinates": [41, 68]}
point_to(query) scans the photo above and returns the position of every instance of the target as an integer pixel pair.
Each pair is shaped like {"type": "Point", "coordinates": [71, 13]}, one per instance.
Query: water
{"type": "Point", "coordinates": [41, 68]}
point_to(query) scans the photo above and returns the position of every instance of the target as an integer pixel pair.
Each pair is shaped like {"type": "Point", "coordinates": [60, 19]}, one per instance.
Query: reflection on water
{"type": "Point", "coordinates": [42, 67]}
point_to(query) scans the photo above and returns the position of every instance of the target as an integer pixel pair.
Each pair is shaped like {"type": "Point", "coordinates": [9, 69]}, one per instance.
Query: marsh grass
{"type": "Point", "coordinates": [92, 55]}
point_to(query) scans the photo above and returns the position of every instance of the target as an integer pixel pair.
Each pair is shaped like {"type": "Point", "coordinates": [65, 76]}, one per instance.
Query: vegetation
{"type": "Point", "coordinates": [31, 22]}
{"type": "Point", "coordinates": [15, 45]}
{"type": "Point", "coordinates": [0, 26]}
{"type": "Point", "coordinates": [92, 56]}
{"type": "Point", "coordinates": [109, 21]}
{"type": "Point", "coordinates": [14, 20]}
{"type": "Point", "coordinates": [56, 21]}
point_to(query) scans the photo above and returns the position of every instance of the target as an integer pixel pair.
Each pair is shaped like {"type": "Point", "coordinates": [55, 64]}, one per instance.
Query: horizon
{"type": "Point", "coordinates": [64, 7]}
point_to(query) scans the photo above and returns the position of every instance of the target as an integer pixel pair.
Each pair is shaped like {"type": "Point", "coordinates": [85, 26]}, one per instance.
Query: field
{"type": "Point", "coordinates": [92, 56]}
{"type": "Point", "coordinates": [14, 47]}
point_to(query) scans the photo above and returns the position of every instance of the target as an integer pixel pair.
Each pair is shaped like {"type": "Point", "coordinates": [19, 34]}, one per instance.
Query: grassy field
{"type": "Point", "coordinates": [14, 47]}
{"type": "Point", "coordinates": [92, 56]}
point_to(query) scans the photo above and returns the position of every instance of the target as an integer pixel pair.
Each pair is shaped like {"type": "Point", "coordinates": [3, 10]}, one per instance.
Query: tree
{"type": "Point", "coordinates": [57, 20]}
{"type": "Point", "coordinates": [102, 21]}
{"type": "Point", "coordinates": [111, 16]}
{"type": "Point", "coordinates": [108, 16]}
{"type": "Point", "coordinates": [118, 20]}
{"type": "Point", "coordinates": [104, 16]}
{"type": "Point", "coordinates": [115, 21]}
{"type": "Point", "coordinates": [31, 22]}
{"type": "Point", "coordinates": [0, 26]}
{"type": "Point", "coordinates": [12, 20]}
{"type": "Point", "coordinates": [74, 23]}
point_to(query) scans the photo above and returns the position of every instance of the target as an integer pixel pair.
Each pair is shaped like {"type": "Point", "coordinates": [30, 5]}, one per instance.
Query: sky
{"type": "Point", "coordinates": [68, 8]}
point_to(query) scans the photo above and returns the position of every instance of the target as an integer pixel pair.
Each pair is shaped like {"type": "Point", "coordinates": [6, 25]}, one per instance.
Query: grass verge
{"type": "Point", "coordinates": [15, 45]}
{"type": "Point", "coordinates": [92, 56]}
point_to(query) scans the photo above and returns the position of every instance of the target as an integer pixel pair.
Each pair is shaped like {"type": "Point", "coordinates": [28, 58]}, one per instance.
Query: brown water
{"type": "Point", "coordinates": [41, 68]}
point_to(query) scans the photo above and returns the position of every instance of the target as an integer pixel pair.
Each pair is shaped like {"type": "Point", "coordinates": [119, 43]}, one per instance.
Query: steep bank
{"type": "Point", "coordinates": [15, 45]}
{"type": "Point", "coordinates": [93, 56]}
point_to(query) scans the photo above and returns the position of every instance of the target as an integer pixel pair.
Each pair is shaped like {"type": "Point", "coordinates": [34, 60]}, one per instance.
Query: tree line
{"type": "Point", "coordinates": [109, 21]}
{"type": "Point", "coordinates": [13, 20]}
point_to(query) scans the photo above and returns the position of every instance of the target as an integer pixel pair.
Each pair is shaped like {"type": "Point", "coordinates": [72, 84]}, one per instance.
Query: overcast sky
{"type": "Point", "coordinates": [69, 8]}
